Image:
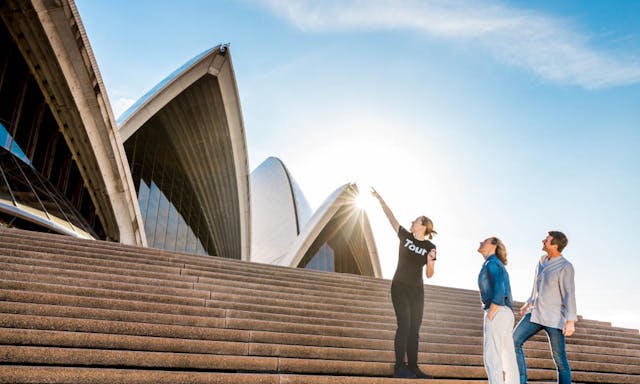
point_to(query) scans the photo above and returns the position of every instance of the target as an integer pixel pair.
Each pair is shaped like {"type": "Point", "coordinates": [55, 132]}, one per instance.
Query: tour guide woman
{"type": "Point", "coordinates": [407, 288]}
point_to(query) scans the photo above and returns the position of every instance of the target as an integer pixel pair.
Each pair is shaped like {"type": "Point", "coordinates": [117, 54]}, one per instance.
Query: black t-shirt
{"type": "Point", "coordinates": [412, 256]}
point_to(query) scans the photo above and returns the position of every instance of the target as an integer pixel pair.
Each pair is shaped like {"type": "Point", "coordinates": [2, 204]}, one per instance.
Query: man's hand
{"type": "Point", "coordinates": [524, 309]}
{"type": "Point", "coordinates": [569, 328]}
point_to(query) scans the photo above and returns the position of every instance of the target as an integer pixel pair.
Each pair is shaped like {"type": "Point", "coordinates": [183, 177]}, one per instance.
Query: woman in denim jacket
{"type": "Point", "coordinates": [495, 292]}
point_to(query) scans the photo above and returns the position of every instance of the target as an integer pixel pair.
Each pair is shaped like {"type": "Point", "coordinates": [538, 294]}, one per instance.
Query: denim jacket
{"type": "Point", "coordinates": [494, 285]}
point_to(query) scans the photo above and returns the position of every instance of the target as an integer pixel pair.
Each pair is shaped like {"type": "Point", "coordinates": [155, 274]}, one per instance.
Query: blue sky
{"type": "Point", "coordinates": [490, 117]}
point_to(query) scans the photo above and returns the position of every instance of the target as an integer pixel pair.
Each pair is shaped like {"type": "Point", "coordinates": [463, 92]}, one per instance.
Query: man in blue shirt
{"type": "Point", "coordinates": [551, 307]}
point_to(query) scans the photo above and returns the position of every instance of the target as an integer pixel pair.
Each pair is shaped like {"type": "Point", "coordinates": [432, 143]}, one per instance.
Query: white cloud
{"type": "Point", "coordinates": [121, 105]}
{"type": "Point", "coordinates": [550, 47]}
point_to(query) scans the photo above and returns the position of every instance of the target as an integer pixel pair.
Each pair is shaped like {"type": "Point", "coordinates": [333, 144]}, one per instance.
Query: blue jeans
{"type": "Point", "coordinates": [524, 331]}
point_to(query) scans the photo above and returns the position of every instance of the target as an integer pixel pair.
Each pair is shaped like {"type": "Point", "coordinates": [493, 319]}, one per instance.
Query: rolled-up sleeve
{"type": "Point", "coordinates": [496, 276]}
{"type": "Point", "coordinates": [568, 292]}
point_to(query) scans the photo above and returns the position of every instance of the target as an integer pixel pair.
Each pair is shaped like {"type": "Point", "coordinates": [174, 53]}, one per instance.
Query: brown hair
{"type": "Point", "coordinates": [559, 239]}
{"type": "Point", "coordinates": [428, 231]}
{"type": "Point", "coordinates": [501, 249]}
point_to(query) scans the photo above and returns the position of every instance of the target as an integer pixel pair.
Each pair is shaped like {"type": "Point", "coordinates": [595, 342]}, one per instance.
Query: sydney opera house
{"type": "Point", "coordinates": [172, 171]}
{"type": "Point", "coordinates": [108, 230]}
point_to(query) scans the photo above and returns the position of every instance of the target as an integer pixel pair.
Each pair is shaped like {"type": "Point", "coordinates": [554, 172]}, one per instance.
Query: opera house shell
{"type": "Point", "coordinates": [171, 173]}
{"type": "Point", "coordinates": [279, 211]}
{"type": "Point", "coordinates": [186, 147]}
{"type": "Point", "coordinates": [336, 238]}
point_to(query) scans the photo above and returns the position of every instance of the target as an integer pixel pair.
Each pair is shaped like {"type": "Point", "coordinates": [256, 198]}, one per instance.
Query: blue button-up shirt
{"type": "Point", "coordinates": [553, 297]}
{"type": "Point", "coordinates": [493, 282]}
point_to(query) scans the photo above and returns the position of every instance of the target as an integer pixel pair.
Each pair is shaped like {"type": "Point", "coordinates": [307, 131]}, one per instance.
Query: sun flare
{"type": "Point", "coordinates": [363, 201]}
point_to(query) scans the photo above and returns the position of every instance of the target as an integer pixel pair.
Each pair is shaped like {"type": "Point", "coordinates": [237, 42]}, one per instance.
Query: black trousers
{"type": "Point", "coordinates": [408, 302]}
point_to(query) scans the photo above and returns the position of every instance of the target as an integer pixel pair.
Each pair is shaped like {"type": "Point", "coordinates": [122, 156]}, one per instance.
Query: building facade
{"type": "Point", "coordinates": [171, 173]}
{"type": "Point", "coordinates": [56, 120]}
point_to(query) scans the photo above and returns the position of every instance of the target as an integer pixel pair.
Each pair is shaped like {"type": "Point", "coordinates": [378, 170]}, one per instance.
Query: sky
{"type": "Point", "coordinates": [493, 118]}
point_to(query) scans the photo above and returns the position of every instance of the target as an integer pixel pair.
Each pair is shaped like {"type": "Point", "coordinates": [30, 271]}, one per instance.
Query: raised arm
{"type": "Point", "coordinates": [387, 211]}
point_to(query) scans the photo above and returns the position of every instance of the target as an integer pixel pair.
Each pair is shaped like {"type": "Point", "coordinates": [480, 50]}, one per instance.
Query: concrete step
{"type": "Point", "coordinates": [26, 239]}
{"type": "Point", "coordinates": [216, 290]}
{"type": "Point", "coordinates": [115, 309]}
{"type": "Point", "coordinates": [66, 339]}
{"type": "Point", "coordinates": [296, 273]}
{"type": "Point", "coordinates": [76, 309]}
{"type": "Point", "coordinates": [271, 284]}
{"type": "Point", "coordinates": [250, 299]}
{"type": "Point", "coordinates": [252, 296]}
{"type": "Point", "coordinates": [584, 323]}
{"type": "Point", "coordinates": [134, 262]}
{"type": "Point", "coordinates": [20, 321]}
{"type": "Point", "coordinates": [475, 294]}
{"type": "Point", "coordinates": [478, 326]}
{"type": "Point", "coordinates": [20, 315]}
{"type": "Point", "coordinates": [19, 355]}
{"type": "Point", "coordinates": [267, 314]}
{"type": "Point", "coordinates": [57, 276]}
{"type": "Point", "coordinates": [117, 358]}
{"type": "Point", "coordinates": [155, 254]}
{"type": "Point", "coordinates": [74, 375]}
{"type": "Point", "coordinates": [124, 295]}
{"type": "Point", "coordinates": [448, 346]}
{"type": "Point", "coordinates": [231, 318]}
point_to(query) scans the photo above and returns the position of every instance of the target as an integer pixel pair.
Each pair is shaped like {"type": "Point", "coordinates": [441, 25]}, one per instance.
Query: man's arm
{"type": "Point", "coordinates": [529, 301]}
{"type": "Point", "coordinates": [568, 293]}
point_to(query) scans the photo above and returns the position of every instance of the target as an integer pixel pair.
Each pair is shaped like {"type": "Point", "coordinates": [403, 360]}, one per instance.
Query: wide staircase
{"type": "Point", "coordinates": [77, 311]}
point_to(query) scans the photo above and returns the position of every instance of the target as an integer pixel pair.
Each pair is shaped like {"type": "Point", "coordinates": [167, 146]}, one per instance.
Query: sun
{"type": "Point", "coordinates": [363, 201]}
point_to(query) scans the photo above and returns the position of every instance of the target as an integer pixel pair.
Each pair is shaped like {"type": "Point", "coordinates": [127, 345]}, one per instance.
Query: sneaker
{"type": "Point", "coordinates": [418, 373]}
{"type": "Point", "coordinates": [402, 372]}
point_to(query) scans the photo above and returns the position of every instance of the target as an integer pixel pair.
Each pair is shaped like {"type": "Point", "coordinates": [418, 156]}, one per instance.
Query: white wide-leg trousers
{"type": "Point", "coordinates": [499, 352]}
